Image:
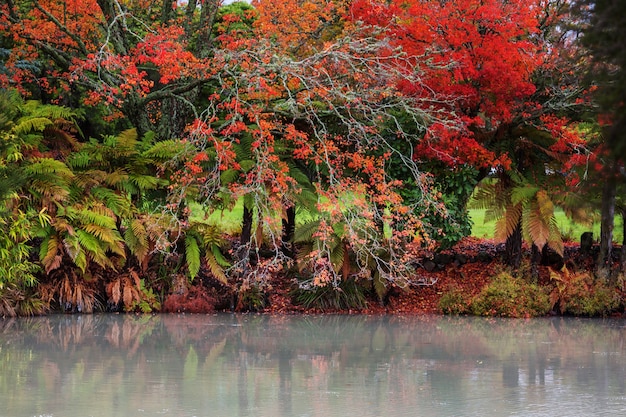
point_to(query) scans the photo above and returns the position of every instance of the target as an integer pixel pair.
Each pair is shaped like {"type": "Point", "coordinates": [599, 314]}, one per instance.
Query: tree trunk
{"type": "Point", "coordinates": [623, 251]}
{"type": "Point", "coordinates": [606, 229]}
{"type": "Point", "coordinates": [513, 248]}
{"type": "Point", "coordinates": [535, 257]}
{"type": "Point", "coordinates": [245, 240]}
{"type": "Point", "coordinates": [289, 227]}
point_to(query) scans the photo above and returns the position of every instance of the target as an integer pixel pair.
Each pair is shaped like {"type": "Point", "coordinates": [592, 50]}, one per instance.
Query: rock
{"type": "Point", "coordinates": [429, 265]}
{"type": "Point", "coordinates": [443, 259]}
{"type": "Point", "coordinates": [586, 242]}
{"type": "Point", "coordinates": [460, 259]}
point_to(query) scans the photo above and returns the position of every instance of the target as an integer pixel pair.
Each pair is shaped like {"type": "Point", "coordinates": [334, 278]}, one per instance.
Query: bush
{"type": "Point", "coordinates": [507, 296]}
{"type": "Point", "coordinates": [579, 294]}
{"type": "Point", "coordinates": [454, 302]}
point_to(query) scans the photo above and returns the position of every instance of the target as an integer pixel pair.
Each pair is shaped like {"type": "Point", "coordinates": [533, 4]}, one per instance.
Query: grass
{"type": "Point", "coordinates": [230, 222]}
{"type": "Point", "coordinates": [569, 230]}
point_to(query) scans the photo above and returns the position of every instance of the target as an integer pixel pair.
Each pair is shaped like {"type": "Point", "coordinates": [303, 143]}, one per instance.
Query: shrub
{"type": "Point", "coordinates": [579, 294]}
{"type": "Point", "coordinates": [507, 296]}
{"type": "Point", "coordinates": [454, 301]}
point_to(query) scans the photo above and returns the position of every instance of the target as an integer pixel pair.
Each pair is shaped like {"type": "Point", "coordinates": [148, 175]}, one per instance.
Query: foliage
{"type": "Point", "coordinates": [506, 296]}
{"type": "Point", "coordinates": [604, 20]}
{"type": "Point", "coordinates": [579, 294]}
{"type": "Point", "coordinates": [525, 205]}
{"type": "Point", "coordinates": [348, 295]}
{"type": "Point", "coordinates": [202, 238]}
{"type": "Point", "coordinates": [333, 107]}
{"type": "Point", "coordinates": [251, 299]}
{"type": "Point", "coordinates": [454, 301]}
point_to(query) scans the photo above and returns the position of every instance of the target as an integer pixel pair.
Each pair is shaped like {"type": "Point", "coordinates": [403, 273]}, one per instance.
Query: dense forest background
{"type": "Point", "coordinates": [156, 154]}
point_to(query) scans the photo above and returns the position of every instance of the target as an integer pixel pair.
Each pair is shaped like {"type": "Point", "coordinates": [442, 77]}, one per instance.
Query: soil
{"type": "Point", "coordinates": [468, 266]}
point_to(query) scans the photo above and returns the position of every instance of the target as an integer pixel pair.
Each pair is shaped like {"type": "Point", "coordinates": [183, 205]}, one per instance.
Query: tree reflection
{"type": "Point", "coordinates": [285, 366]}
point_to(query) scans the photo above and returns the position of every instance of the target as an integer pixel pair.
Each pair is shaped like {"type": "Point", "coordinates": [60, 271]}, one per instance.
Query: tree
{"type": "Point", "coordinates": [602, 37]}
{"type": "Point", "coordinates": [501, 60]}
{"type": "Point", "coordinates": [144, 61]}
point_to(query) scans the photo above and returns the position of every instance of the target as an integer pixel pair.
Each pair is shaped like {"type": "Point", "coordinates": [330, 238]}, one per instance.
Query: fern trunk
{"type": "Point", "coordinates": [513, 247]}
{"type": "Point", "coordinates": [535, 258]}
{"type": "Point", "coordinates": [606, 229]}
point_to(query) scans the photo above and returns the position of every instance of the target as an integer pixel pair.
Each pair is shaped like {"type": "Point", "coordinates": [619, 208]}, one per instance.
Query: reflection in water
{"type": "Point", "coordinates": [248, 365]}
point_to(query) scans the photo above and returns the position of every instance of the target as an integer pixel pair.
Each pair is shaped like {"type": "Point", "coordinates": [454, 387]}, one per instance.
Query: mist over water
{"type": "Point", "coordinates": [251, 365]}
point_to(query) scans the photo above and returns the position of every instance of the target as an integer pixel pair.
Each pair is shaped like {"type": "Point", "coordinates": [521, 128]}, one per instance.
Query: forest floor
{"type": "Point", "coordinates": [467, 267]}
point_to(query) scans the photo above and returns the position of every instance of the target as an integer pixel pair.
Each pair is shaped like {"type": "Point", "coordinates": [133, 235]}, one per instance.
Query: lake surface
{"type": "Point", "coordinates": [250, 365]}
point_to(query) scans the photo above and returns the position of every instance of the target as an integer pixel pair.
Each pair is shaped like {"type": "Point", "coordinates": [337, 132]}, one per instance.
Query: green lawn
{"type": "Point", "coordinates": [230, 222]}
{"type": "Point", "coordinates": [569, 230]}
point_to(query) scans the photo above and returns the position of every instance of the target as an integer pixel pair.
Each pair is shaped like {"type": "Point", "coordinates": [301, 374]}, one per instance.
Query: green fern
{"type": "Point", "coordinates": [164, 151]}
{"type": "Point", "coordinates": [192, 255]}
{"type": "Point", "coordinates": [117, 203]}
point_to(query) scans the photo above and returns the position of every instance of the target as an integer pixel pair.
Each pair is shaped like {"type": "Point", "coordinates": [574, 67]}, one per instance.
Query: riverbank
{"type": "Point", "coordinates": [461, 274]}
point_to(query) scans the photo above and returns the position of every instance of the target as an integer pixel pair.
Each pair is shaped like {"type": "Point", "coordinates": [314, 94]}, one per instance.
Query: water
{"type": "Point", "coordinates": [249, 365]}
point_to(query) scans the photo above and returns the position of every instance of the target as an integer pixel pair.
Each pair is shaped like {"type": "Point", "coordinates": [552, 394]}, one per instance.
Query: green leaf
{"type": "Point", "coordinates": [192, 255]}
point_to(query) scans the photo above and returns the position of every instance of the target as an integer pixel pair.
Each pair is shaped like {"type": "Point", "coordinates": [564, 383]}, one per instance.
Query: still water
{"type": "Point", "coordinates": [249, 365]}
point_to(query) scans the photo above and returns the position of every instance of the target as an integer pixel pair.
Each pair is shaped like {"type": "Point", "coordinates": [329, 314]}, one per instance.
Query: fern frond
{"type": "Point", "coordinates": [247, 164]}
{"type": "Point", "coordinates": [545, 205]}
{"type": "Point", "coordinates": [304, 233]}
{"type": "Point", "coordinates": [145, 182]}
{"type": "Point", "coordinates": [537, 226]}
{"type": "Point", "coordinates": [165, 150]}
{"type": "Point", "coordinates": [32, 124]}
{"type": "Point", "coordinates": [337, 256]}
{"type": "Point", "coordinates": [50, 111]}
{"type": "Point", "coordinates": [118, 204]}
{"type": "Point", "coordinates": [88, 242]}
{"type": "Point", "coordinates": [127, 140]}
{"type": "Point", "coordinates": [523, 194]}
{"type": "Point", "coordinates": [219, 257]}
{"type": "Point", "coordinates": [192, 255]}
{"type": "Point", "coordinates": [483, 197]}
{"type": "Point", "coordinates": [136, 240]}
{"type": "Point", "coordinates": [215, 267]}
{"type": "Point", "coordinates": [87, 179]}
{"type": "Point", "coordinates": [43, 166]}
{"type": "Point", "coordinates": [106, 235]}
{"type": "Point", "coordinates": [75, 252]}
{"type": "Point", "coordinates": [506, 226]}
{"type": "Point", "coordinates": [116, 177]}
{"type": "Point", "coordinates": [117, 248]}
{"type": "Point", "coordinates": [49, 253]}
{"type": "Point", "coordinates": [80, 159]}
{"type": "Point", "coordinates": [99, 216]}
{"type": "Point", "coordinates": [229, 176]}
{"type": "Point", "coordinates": [380, 286]}
{"type": "Point", "coordinates": [555, 241]}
